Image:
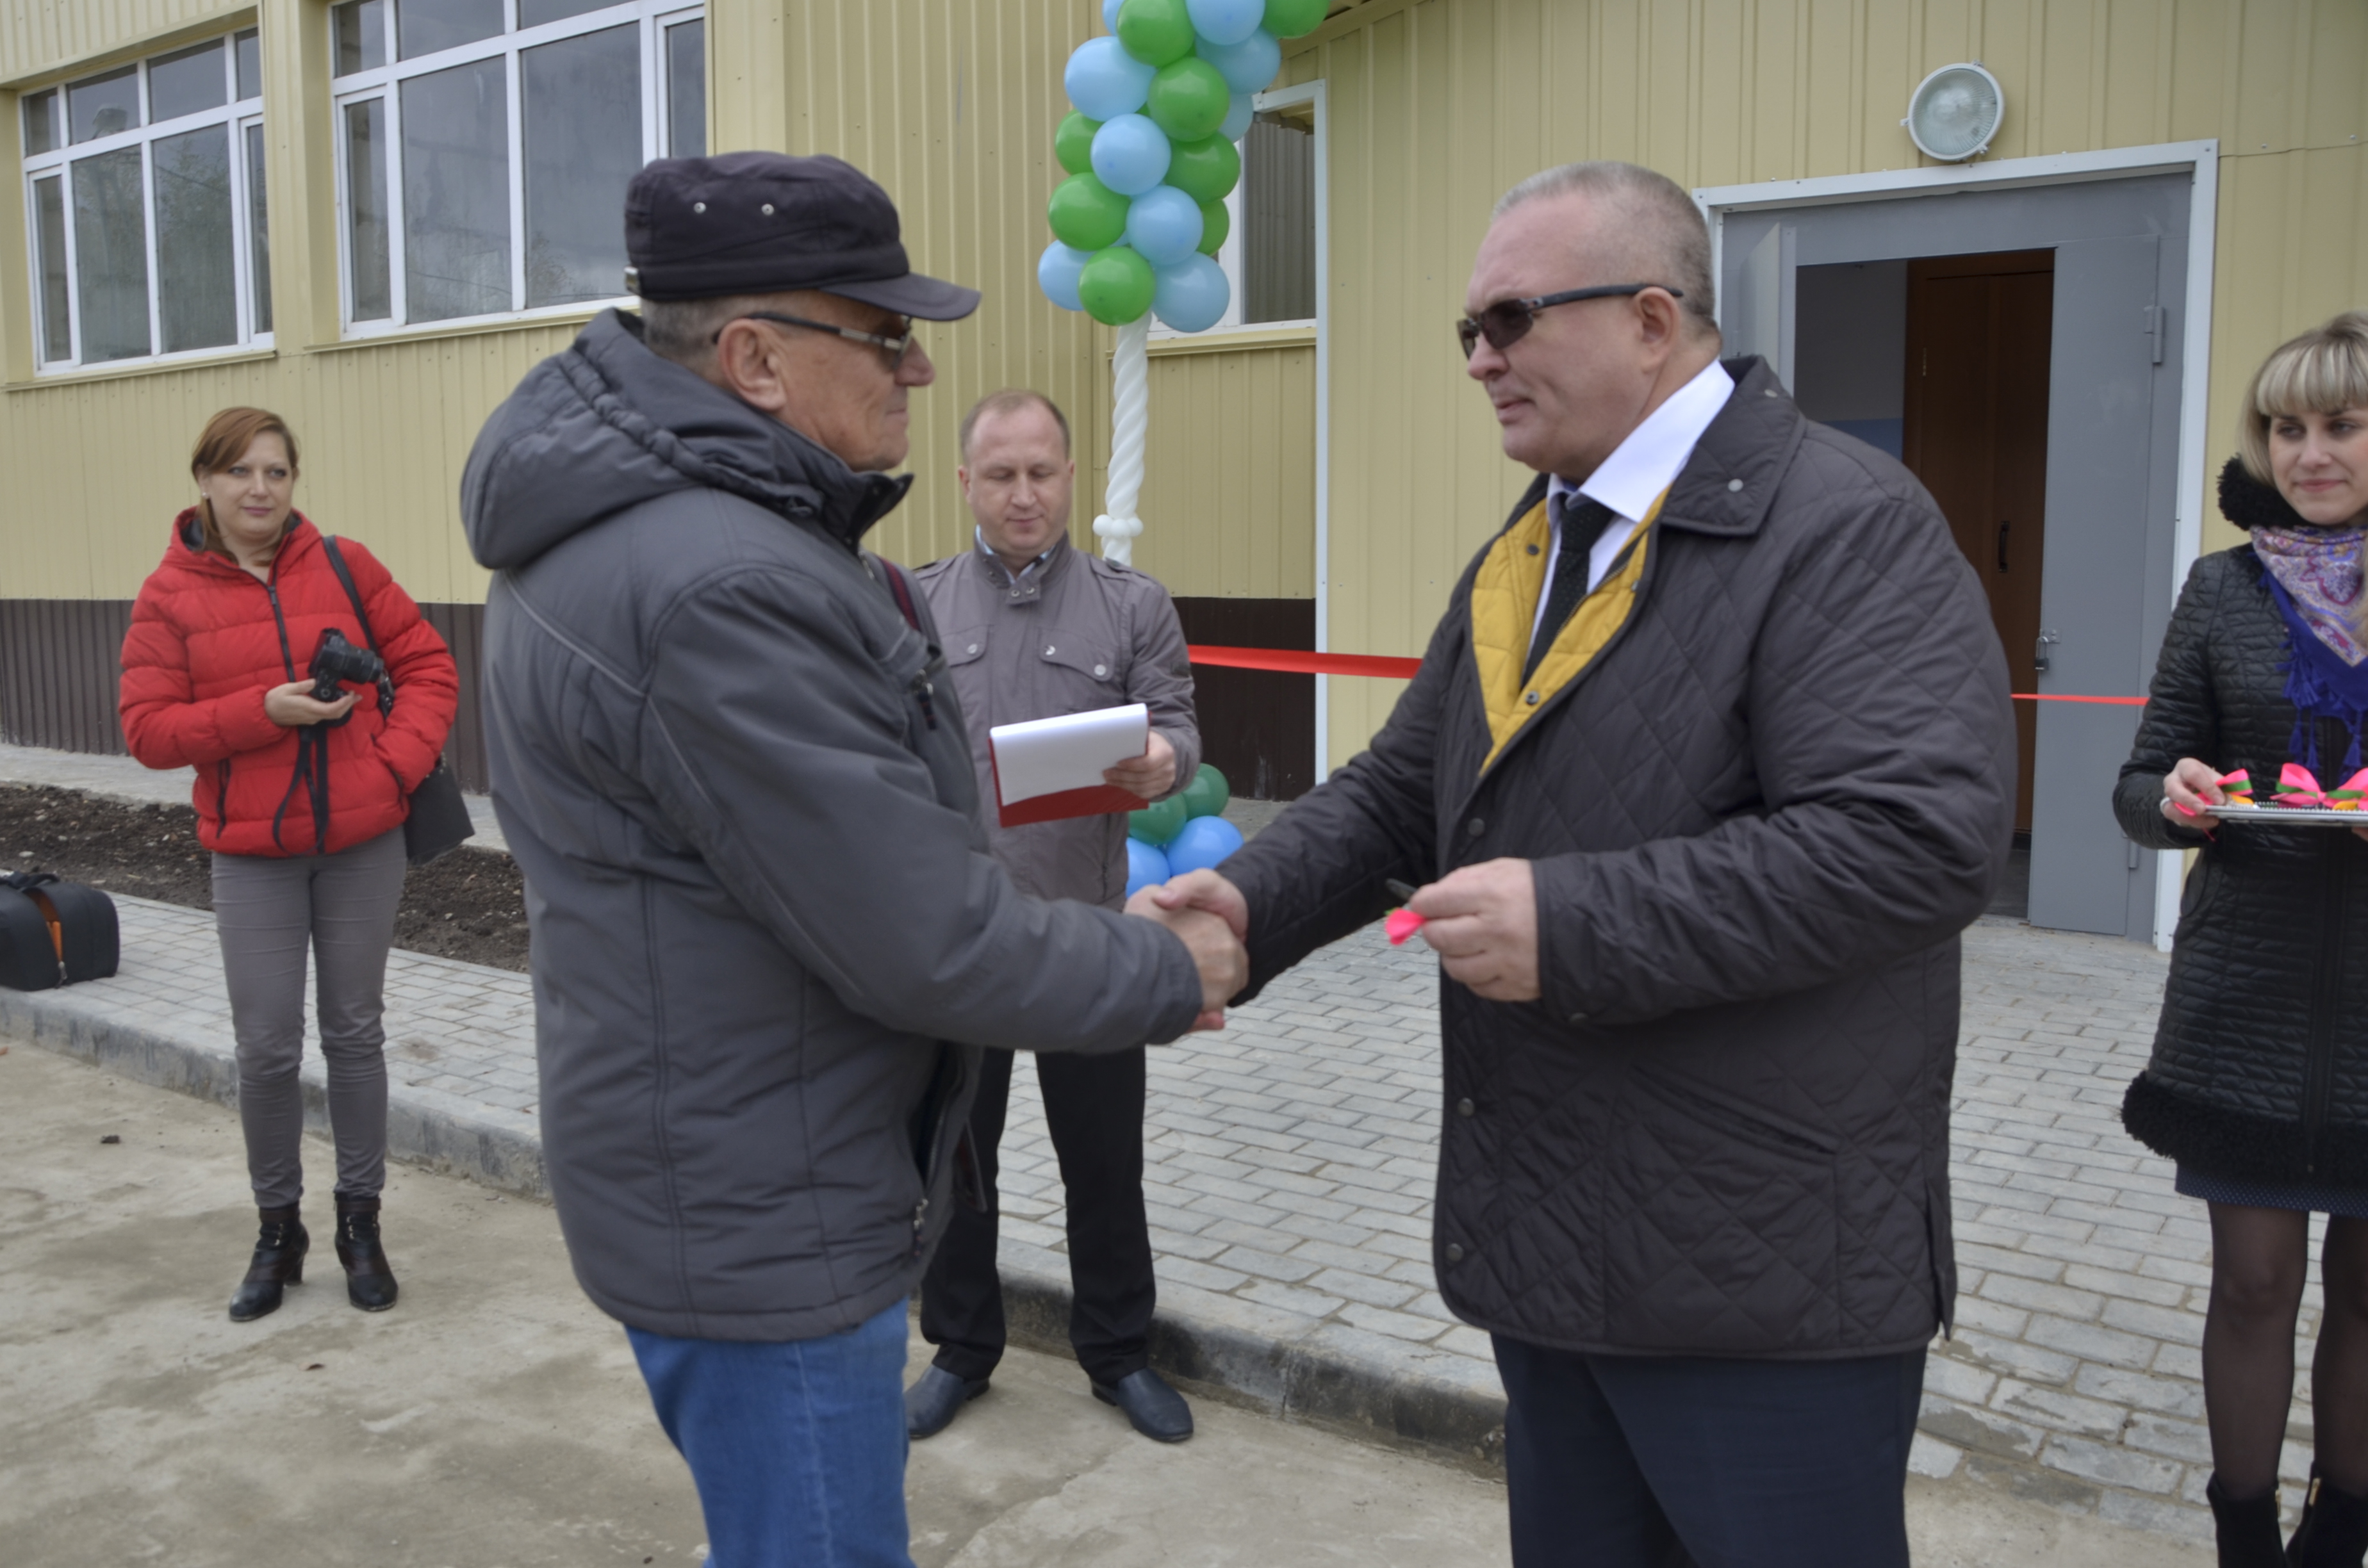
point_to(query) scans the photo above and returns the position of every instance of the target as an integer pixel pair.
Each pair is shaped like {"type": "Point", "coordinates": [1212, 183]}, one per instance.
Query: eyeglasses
{"type": "Point", "coordinates": [1506, 321]}
{"type": "Point", "coordinates": [894, 347]}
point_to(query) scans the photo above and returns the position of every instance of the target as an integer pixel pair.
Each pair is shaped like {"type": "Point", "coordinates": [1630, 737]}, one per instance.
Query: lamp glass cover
{"type": "Point", "coordinates": [1955, 112]}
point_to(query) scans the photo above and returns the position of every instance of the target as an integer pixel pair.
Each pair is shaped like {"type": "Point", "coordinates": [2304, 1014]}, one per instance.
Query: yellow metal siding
{"type": "Point", "coordinates": [1229, 480]}
{"type": "Point", "coordinates": [1439, 105]}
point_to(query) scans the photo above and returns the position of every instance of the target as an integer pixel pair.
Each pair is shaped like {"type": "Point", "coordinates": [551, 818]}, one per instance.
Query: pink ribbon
{"type": "Point", "coordinates": [1401, 924]}
{"type": "Point", "coordinates": [2298, 786]}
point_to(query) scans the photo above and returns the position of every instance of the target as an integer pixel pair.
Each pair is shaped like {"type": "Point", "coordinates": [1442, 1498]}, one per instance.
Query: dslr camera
{"type": "Point", "coordinates": [336, 660]}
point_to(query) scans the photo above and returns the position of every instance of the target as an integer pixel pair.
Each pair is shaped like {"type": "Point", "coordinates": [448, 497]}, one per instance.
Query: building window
{"type": "Point", "coordinates": [485, 146]}
{"type": "Point", "coordinates": [144, 191]}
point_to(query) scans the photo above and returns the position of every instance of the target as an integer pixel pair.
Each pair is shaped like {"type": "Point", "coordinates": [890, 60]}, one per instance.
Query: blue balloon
{"type": "Point", "coordinates": [1203, 843]}
{"type": "Point", "coordinates": [1225, 21]}
{"type": "Point", "coordinates": [1145, 867]}
{"type": "Point", "coordinates": [1131, 154]}
{"type": "Point", "coordinates": [1056, 274]}
{"type": "Point", "coordinates": [1104, 81]}
{"type": "Point", "coordinates": [1193, 295]}
{"type": "Point", "coordinates": [1247, 66]}
{"type": "Point", "coordinates": [1109, 14]}
{"type": "Point", "coordinates": [1164, 226]}
{"type": "Point", "coordinates": [1238, 116]}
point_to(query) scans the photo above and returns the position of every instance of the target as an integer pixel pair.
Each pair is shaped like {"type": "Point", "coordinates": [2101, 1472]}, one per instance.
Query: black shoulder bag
{"type": "Point", "coordinates": [439, 818]}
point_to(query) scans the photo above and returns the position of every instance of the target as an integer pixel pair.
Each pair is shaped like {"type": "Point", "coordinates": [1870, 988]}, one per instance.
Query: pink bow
{"type": "Point", "coordinates": [1401, 924]}
{"type": "Point", "coordinates": [2349, 795]}
{"type": "Point", "coordinates": [2239, 785]}
{"type": "Point", "coordinates": [2298, 786]}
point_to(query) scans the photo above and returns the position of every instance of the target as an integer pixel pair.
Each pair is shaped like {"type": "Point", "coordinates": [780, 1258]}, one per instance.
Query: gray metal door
{"type": "Point", "coordinates": [2101, 429]}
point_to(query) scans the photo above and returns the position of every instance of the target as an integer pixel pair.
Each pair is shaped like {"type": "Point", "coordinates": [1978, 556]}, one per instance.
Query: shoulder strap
{"type": "Point", "coordinates": [337, 564]}
{"type": "Point", "coordinates": [901, 589]}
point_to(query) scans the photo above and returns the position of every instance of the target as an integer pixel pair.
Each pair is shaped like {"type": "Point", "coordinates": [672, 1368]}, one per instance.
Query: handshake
{"type": "Point", "coordinates": [1208, 914]}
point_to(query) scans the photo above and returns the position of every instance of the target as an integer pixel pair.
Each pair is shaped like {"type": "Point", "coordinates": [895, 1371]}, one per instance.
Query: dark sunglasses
{"type": "Point", "coordinates": [894, 347]}
{"type": "Point", "coordinates": [1506, 321]}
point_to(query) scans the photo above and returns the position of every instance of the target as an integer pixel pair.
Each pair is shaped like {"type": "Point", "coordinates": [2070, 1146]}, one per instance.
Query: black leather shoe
{"type": "Point", "coordinates": [1157, 1411]}
{"type": "Point", "coordinates": [2245, 1529]}
{"type": "Point", "coordinates": [931, 1405]}
{"type": "Point", "coordinates": [278, 1261]}
{"type": "Point", "coordinates": [370, 1278]}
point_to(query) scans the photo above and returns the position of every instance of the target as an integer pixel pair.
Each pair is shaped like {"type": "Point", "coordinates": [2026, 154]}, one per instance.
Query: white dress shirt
{"type": "Point", "coordinates": [1632, 477]}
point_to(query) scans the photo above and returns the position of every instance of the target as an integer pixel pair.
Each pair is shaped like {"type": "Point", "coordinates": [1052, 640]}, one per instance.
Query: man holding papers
{"type": "Point", "coordinates": [1034, 629]}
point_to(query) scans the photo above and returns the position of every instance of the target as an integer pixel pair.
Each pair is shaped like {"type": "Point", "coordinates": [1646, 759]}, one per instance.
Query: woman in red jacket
{"type": "Point", "coordinates": [303, 802]}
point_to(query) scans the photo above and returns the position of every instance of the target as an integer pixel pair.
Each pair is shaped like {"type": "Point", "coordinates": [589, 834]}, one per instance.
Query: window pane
{"type": "Point", "coordinates": [687, 90]}
{"type": "Point", "coordinates": [42, 122]}
{"type": "Point", "coordinates": [361, 35]}
{"type": "Point", "coordinates": [258, 231]}
{"type": "Point", "coordinates": [250, 65]}
{"type": "Point", "coordinates": [423, 27]}
{"type": "Point", "coordinates": [111, 256]}
{"type": "Point", "coordinates": [456, 192]}
{"type": "Point", "coordinates": [50, 243]}
{"type": "Point", "coordinates": [583, 144]}
{"type": "Point", "coordinates": [1278, 222]}
{"type": "Point", "coordinates": [366, 235]}
{"type": "Point", "coordinates": [534, 13]}
{"type": "Point", "coordinates": [197, 293]}
{"type": "Point", "coordinates": [185, 83]}
{"type": "Point", "coordinates": [104, 105]}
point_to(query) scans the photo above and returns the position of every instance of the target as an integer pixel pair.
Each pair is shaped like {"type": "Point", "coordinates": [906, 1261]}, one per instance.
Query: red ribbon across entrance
{"type": "Point", "coordinates": [1282, 661]}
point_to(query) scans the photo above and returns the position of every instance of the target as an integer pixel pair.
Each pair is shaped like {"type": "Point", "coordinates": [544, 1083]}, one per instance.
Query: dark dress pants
{"type": "Point", "coordinates": [1093, 1106]}
{"type": "Point", "coordinates": [1669, 1461]}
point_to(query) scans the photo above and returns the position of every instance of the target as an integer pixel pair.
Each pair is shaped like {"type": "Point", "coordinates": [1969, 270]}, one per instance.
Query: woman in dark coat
{"type": "Point", "coordinates": [2258, 1087]}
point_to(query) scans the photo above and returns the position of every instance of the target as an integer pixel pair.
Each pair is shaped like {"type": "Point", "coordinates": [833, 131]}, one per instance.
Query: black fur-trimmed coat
{"type": "Point", "coordinates": [2260, 1063]}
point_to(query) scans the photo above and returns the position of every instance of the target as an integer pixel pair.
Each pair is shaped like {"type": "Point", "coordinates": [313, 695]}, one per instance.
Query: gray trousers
{"type": "Point", "coordinates": [269, 913]}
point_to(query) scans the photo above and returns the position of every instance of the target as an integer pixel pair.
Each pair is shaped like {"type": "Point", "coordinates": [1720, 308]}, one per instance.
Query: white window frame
{"type": "Point", "coordinates": [237, 115]}
{"type": "Point", "coordinates": [1229, 254]}
{"type": "Point", "coordinates": [653, 17]}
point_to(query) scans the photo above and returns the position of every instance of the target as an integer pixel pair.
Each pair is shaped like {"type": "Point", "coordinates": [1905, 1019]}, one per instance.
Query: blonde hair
{"type": "Point", "coordinates": [2323, 370]}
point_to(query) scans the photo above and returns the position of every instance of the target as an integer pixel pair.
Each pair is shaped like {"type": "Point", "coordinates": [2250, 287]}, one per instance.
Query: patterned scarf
{"type": "Point", "coordinates": [2315, 577]}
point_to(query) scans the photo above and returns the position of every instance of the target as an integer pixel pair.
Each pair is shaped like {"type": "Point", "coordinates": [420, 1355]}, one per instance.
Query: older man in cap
{"type": "Point", "coordinates": [768, 942]}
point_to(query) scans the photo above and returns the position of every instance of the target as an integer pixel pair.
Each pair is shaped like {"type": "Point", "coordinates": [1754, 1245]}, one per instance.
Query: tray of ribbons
{"type": "Point", "coordinates": [2298, 801]}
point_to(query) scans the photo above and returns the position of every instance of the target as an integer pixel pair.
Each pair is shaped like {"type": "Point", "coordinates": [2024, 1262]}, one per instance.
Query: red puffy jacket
{"type": "Point", "coordinates": [207, 640]}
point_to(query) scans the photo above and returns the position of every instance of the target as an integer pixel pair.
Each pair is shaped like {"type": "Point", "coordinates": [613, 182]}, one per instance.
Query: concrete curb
{"type": "Point", "coordinates": [1357, 1382]}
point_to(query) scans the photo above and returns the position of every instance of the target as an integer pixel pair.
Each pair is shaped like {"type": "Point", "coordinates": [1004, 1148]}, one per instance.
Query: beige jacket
{"type": "Point", "coordinates": [1074, 634]}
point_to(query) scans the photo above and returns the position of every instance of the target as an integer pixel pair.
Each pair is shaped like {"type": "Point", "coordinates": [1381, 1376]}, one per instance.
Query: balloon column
{"type": "Point", "coordinates": [1151, 157]}
{"type": "Point", "coordinates": [1183, 833]}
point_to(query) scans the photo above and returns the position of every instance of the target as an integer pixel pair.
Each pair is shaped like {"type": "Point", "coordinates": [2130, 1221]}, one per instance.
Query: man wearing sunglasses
{"type": "Point", "coordinates": [1705, 768]}
{"type": "Point", "coordinates": [769, 940]}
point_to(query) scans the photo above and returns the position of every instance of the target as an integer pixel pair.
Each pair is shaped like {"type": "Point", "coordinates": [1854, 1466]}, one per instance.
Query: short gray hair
{"type": "Point", "coordinates": [684, 330]}
{"type": "Point", "coordinates": [1667, 235]}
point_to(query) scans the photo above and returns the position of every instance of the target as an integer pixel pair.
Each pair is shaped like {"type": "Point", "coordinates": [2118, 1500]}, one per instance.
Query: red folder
{"type": "Point", "coordinates": [1094, 801]}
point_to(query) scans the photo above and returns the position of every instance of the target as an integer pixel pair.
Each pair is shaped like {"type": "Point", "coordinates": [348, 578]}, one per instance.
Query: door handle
{"type": "Point", "coordinates": [2039, 660]}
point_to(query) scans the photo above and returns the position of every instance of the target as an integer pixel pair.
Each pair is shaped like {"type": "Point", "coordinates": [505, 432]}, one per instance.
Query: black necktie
{"type": "Point", "coordinates": [1582, 521]}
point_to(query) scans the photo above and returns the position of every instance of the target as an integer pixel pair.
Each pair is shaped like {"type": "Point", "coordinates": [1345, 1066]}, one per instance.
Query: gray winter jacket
{"type": "Point", "coordinates": [1768, 786]}
{"type": "Point", "coordinates": [741, 794]}
{"type": "Point", "coordinates": [1075, 633]}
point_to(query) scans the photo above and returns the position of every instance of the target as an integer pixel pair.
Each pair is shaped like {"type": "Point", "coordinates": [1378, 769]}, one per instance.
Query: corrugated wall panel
{"type": "Point", "coordinates": [1439, 106]}
{"type": "Point", "coordinates": [41, 36]}
{"type": "Point", "coordinates": [1229, 481]}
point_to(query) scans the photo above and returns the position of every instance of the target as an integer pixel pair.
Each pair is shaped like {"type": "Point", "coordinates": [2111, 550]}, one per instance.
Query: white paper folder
{"type": "Point", "coordinates": [1046, 769]}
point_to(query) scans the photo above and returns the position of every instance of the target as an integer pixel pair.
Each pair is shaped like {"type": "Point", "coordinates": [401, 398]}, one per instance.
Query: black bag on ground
{"type": "Point", "coordinates": [52, 929]}
{"type": "Point", "coordinates": [438, 818]}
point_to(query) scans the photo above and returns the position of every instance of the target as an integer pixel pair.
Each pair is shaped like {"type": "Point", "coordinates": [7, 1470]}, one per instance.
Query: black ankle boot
{"type": "Point", "coordinates": [2247, 1530]}
{"type": "Point", "coordinates": [2334, 1529]}
{"type": "Point", "coordinates": [278, 1261]}
{"type": "Point", "coordinates": [370, 1278]}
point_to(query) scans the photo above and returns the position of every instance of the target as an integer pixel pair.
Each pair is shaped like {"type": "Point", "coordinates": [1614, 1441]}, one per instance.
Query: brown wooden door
{"type": "Point", "coordinates": [1975, 433]}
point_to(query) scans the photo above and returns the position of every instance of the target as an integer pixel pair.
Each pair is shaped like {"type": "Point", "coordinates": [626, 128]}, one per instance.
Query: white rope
{"type": "Point", "coordinates": [1117, 527]}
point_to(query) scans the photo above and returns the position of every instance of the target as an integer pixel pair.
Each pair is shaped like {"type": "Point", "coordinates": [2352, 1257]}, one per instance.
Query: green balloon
{"type": "Point", "coordinates": [1295, 18]}
{"type": "Point", "coordinates": [1206, 170]}
{"type": "Point", "coordinates": [1074, 143]}
{"type": "Point", "coordinates": [1115, 288]}
{"type": "Point", "coordinates": [1216, 223]}
{"type": "Point", "coordinates": [1086, 214]}
{"type": "Point", "coordinates": [1189, 99]}
{"type": "Point", "coordinates": [1207, 794]}
{"type": "Point", "coordinates": [1156, 31]}
{"type": "Point", "coordinates": [1155, 825]}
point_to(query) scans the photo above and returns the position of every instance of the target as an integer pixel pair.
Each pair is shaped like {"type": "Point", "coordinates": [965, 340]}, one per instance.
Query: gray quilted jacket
{"type": "Point", "coordinates": [1758, 820]}
{"type": "Point", "coordinates": [762, 915]}
{"type": "Point", "coordinates": [2259, 1070]}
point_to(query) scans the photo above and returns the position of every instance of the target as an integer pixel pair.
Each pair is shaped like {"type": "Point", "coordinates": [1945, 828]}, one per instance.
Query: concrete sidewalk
{"type": "Point", "coordinates": [1290, 1166]}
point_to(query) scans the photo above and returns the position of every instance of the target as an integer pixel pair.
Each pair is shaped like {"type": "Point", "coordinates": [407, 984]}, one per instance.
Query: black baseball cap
{"type": "Point", "coordinates": [764, 223]}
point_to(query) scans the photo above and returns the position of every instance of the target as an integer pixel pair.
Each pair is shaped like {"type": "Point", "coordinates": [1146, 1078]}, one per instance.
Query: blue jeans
{"type": "Point", "coordinates": [1644, 1461]}
{"type": "Point", "coordinates": [797, 1448]}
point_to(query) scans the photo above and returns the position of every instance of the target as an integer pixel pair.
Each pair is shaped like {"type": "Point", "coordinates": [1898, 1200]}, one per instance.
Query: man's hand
{"type": "Point", "coordinates": [1205, 890]}
{"type": "Point", "coordinates": [1149, 775]}
{"type": "Point", "coordinates": [294, 706]}
{"type": "Point", "coordinates": [1482, 923]}
{"type": "Point", "coordinates": [1216, 952]}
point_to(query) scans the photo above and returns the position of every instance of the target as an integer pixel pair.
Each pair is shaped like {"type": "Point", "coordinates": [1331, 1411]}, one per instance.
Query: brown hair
{"type": "Point", "coordinates": [222, 442]}
{"type": "Point", "coordinates": [1011, 399]}
{"type": "Point", "coordinates": [2323, 372]}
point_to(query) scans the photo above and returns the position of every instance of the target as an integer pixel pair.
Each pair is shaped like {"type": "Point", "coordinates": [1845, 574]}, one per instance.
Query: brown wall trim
{"type": "Point", "coordinates": [1257, 727]}
{"type": "Point", "coordinates": [60, 662]}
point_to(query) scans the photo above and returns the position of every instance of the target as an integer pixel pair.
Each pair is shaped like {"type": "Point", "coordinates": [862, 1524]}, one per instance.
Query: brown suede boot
{"type": "Point", "coordinates": [370, 1278]}
{"type": "Point", "coordinates": [278, 1261]}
